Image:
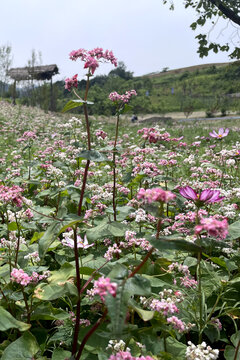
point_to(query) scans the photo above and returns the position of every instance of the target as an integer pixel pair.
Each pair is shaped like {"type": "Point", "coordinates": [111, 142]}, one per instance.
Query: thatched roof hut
{"type": "Point", "coordinates": [45, 72]}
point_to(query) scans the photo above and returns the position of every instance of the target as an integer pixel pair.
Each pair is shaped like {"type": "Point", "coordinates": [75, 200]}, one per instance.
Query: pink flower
{"type": "Point", "coordinates": [221, 133]}
{"type": "Point", "coordinates": [206, 196]}
{"type": "Point", "coordinates": [92, 57]}
{"type": "Point", "coordinates": [125, 98]}
{"type": "Point", "coordinates": [177, 323]}
{"type": "Point", "coordinates": [71, 82]}
{"type": "Point", "coordinates": [215, 228]}
{"type": "Point", "coordinates": [155, 194]}
{"type": "Point", "coordinates": [102, 286]}
{"type": "Point", "coordinates": [20, 277]}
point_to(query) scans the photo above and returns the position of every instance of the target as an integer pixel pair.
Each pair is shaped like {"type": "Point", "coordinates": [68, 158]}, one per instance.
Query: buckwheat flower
{"type": "Point", "coordinates": [201, 352]}
{"type": "Point", "coordinates": [102, 286]}
{"type": "Point", "coordinates": [20, 277]}
{"type": "Point", "coordinates": [206, 196]}
{"type": "Point", "coordinates": [71, 82]}
{"type": "Point", "coordinates": [177, 324]}
{"type": "Point", "coordinates": [155, 194]}
{"type": "Point", "coordinates": [221, 133]}
{"type": "Point", "coordinates": [93, 57]}
{"type": "Point", "coordinates": [215, 228]}
{"type": "Point", "coordinates": [125, 98]}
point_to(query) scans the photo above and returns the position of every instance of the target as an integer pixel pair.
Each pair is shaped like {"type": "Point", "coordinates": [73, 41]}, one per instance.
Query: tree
{"type": "Point", "coordinates": [211, 11]}
{"type": "Point", "coordinates": [122, 72]}
{"type": "Point", "coordinates": [5, 63]}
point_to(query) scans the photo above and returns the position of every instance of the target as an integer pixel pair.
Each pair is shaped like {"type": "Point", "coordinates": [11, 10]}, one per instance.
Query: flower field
{"type": "Point", "coordinates": [118, 241]}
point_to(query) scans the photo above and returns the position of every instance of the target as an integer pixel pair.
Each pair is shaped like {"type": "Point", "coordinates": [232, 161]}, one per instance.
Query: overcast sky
{"type": "Point", "coordinates": [142, 33]}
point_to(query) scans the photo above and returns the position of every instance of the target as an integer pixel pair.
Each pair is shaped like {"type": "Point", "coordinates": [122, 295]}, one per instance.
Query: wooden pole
{"type": "Point", "coordinates": [14, 92]}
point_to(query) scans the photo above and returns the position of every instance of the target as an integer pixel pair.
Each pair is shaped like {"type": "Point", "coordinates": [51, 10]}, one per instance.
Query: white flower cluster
{"type": "Point", "coordinates": [201, 352]}
{"type": "Point", "coordinates": [117, 346]}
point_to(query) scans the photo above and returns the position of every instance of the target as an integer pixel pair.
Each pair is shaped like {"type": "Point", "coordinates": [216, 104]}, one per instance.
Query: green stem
{"type": "Point", "coordinates": [114, 170]}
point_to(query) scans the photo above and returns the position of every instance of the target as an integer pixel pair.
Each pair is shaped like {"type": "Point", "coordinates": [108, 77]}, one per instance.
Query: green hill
{"type": "Point", "coordinates": [209, 87]}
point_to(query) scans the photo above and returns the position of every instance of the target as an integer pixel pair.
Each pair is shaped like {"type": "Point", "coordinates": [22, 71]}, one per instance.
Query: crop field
{"type": "Point", "coordinates": [118, 240]}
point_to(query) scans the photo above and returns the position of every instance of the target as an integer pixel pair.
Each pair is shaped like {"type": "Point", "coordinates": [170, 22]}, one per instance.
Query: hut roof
{"type": "Point", "coordinates": [44, 72]}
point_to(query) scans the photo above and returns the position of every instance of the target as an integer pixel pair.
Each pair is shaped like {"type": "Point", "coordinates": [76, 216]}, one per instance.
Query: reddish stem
{"type": "Point", "coordinates": [90, 332]}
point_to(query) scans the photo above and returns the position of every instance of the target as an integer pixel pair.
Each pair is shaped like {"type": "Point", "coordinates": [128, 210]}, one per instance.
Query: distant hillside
{"type": "Point", "coordinates": [188, 68]}
{"type": "Point", "coordinates": [208, 88]}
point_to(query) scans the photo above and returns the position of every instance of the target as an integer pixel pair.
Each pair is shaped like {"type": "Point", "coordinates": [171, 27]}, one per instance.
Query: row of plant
{"type": "Point", "coordinates": [116, 244]}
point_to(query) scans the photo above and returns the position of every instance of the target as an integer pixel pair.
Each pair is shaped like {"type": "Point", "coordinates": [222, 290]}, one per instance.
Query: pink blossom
{"type": "Point", "coordinates": [126, 355]}
{"type": "Point", "coordinates": [102, 286]}
{"type": "Point", "coordinates": [11, 194]}
{"type": "Point", "coordinates": [101, 134]}
{"type": "Point", "coordinates": [20, 277]}
{"type": "Point", "coordinates": [215, 228]}
{"type": "Point", "coordinates": [177, 323]}
{"type": "Point", "coordinates": [206, 196]}
{"type": "Point", "coordinates": [155, 194]}
{"type": "Point", "coordinates": [92, 57]}
{"type": "Point", "coordinates": [71, 82]}
{"type": "Point", "coordinates": [125, 98]}
{"type": "Point", "coordinates": [221, 133]}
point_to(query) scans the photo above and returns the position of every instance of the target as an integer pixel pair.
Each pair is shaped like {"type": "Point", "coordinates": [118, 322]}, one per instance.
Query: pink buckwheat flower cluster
{"type": "Point", "coordinates": [153, 135]}
{"type": "Point", "coordinates": [187, 280]}
{"type": "Point", "coordinates": [126, 355]}
{"type": "Point", "coordinates": [102, 286]}
{"type": "Point", "coordinates": [215, 228]}
{"type": "Point", "coordinates": [71, 82]}
{"type": "Point", "coordinates": [22, 278]}
{"type": "Point", "coordinates": [101, 134]}
{"type": "Point", "coordinates": [92, 57]}
{"type": "Point", "coordinates": [125, 98]}
{"type": "Point", "coordinates": [11, 194]}
{"type": "Point", "coordinates": [155, 194]}
{"type": "Point", "coordinates": [179, 325]}
{"type": "Point", "coordinates": [27, 135]}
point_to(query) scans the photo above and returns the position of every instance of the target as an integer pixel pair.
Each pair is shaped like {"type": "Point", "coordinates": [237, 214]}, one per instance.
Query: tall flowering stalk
{"type": "Point", "coordinates": [91, 60]}
{"type": "Point", "coordinates": [120, 101]}
{"type": "Point", "coordinates": [213, 227]}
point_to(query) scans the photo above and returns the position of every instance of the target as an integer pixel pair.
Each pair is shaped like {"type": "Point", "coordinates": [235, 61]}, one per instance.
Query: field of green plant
{"type": "Point", "coordinates": [117, 241]}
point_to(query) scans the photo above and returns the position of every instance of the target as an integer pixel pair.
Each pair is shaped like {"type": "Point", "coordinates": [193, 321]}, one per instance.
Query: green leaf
{"type": "Point", "coordinates": [117, 310]}
{"type": "Point", "coordinates": [234, 230]}
{"type": "Point", "coordinates": [106, 229]}
{"type": "Point", "coordinates": [48, 238]}
{"type": "Point", "coordinates": [217, 260]}
{"type": "Point", "coordinates": [235, 338]}
{"type": "Point", "coordinates": [138, 285]}
{"type": "Point", "coordinates": [36, 237]}
{"type": "Point", "coordinates": [24, 348]}
{"type": "Point", "coordinates": [119, 271]}
{"type": "Point", "coordinates": [63, 274]}
{"type": "Point", "coordinates": [145, 315]}
{"type": "Point", "coordinates": [69, 220]}
{"type": "Point", "coordinates": [92, 155]}
{"type": "Point", "coordinates": [60, 354]}
{"type": "Point", "coordinates": [13, 226]}
{"type": "Point", "coordinates": [229, 353]}
{"type": "Point", "coordinates": [168, 243]}
{"type": "Point", "coordinates": [49, 292]}
{"type": "Point", "coordinates": [45, 311]}
{"type": "Point", "coordinates": [176, 348]}
{"type": "Point", "coordinates": [7, 321]}
{"type": "Point", "coordinates": [74, 104]}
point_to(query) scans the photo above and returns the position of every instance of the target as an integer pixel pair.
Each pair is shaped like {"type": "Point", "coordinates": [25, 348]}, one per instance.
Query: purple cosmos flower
{"type": "Point", "coordinates": [221, 133]}
{"type": "Point", "coordinates": [205, 196]}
